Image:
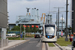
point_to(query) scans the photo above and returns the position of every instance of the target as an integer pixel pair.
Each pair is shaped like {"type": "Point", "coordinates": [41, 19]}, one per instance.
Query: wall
{"type": "Point", "coordinates": [3, 13]}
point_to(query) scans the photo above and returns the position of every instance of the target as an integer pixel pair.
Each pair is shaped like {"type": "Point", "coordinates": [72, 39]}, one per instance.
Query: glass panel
{"type": "Point", "coordinates": [49, 29]}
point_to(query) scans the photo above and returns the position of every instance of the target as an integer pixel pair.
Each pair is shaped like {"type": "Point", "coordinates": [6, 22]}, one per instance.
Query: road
{"type": "Point", "coordinates": [32, 44]}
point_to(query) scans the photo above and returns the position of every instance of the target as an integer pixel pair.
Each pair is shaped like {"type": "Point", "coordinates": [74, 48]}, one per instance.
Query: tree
{"type": "Point", "coordinates": [16, 28]}
{"type": "Point", "coordinates": [27, 29]}
{"type": "Point", "coordinates": [70, 30]}
{"type": "Point", "coordinates": [22, 28]}
{"type": "Point", "coordinates": [35, 29]}
{"type": "Point", "coordinates": [30, 29]}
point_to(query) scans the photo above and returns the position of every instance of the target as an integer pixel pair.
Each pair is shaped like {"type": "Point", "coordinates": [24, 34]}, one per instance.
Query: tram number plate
{"type": "Point", "coordinates": [48, 36]}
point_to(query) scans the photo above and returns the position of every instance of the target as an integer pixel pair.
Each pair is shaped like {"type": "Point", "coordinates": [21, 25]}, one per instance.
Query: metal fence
{"type": "Point", "coordinates": [17, 32]}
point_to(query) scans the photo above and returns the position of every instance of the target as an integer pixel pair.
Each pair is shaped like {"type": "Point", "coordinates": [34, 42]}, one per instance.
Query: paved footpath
{"type": "Point", "coordinates": [13, 43]}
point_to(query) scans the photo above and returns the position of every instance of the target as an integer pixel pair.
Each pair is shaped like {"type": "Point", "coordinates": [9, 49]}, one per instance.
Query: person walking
{"type": "Point", "coordinates": [21, 36]}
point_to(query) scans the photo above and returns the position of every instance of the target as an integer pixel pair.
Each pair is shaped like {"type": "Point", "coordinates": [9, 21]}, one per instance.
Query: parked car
{"type": "Point", "coordinates": [12, 35]}
{"type": "Point", "coordinates": [37, 36]}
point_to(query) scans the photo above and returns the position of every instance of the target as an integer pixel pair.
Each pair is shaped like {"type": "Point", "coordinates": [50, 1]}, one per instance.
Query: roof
{"type": "Point", "coordinates": [11, 23]}
{"type": "Point", "coordinates": [49, 24]}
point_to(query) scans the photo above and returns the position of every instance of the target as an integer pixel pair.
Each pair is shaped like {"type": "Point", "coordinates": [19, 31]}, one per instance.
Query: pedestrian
{"type": "Point", "coordinates": [70, 38]}
{"type": "Point", "coordinates": [21, 36]}
{"type": "Point", "coordinates": [61, 33]}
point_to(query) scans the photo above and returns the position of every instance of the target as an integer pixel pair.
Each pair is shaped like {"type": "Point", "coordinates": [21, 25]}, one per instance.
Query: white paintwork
{"type": "Point", "coordinates": [47, 39]}
{"type": "Point", "coordinates": [3, 33]}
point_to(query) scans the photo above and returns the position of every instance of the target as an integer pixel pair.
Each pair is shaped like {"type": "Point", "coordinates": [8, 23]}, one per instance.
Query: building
{"type": "Point", "coordinates": [3, 22]}
{"type": "Point", "coordinates": [32, 18]}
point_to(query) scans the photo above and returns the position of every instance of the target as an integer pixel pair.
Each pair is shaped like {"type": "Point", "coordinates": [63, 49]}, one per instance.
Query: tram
{"type": "Point", "coordinates": [49, 33]}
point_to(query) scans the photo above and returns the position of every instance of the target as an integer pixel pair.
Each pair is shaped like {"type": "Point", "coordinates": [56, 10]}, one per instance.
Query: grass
{"type": "Point", "coordinates": [61, 41]}
{"type": "Point", "coordinates": [18, 38]}
{"type": "Point", "coordinates": [51, 44]}
{"type": "Point", "coordinates": [15, 38]}
{"type": "Point", "coordinates": [32, 35]}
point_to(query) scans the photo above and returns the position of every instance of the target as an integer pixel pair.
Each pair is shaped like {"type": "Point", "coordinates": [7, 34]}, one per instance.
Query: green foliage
{"type": "Point", "coordinates": [30, 29]}
{"type": "Point", "coordinates": [15, 28]}
{"type": "Point", "coordinates": [32, 35]}
{"type": "Point", "coordinates": [35, 29]}
{"type": "Point", "coordinates": [15, 38]}
{"type": "Point", "coordinates": [27, 29]}
{"type": "Point", "coordinates": [69, 30]}
{"type": "Point", "coordinates": [22, 28]}
{"type": "Point", "coordinates": [51, 45]}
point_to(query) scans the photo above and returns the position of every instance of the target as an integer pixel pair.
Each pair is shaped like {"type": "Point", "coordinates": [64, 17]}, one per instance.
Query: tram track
{"type": "Point", "coordinates": [58, 46]}
{"type": "Point", "coordinates": [46, 47]}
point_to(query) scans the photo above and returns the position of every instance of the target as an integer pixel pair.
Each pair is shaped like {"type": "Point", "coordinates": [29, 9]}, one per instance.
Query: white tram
{"type": "Point", "coordinates": [49, 33]}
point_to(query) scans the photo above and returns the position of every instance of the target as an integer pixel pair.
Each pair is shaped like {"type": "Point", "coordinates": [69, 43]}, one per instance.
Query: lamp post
{"type": "Point", "coordinates": [66, 39]}
{"type": "Point", "coordinates": [58, 19]}
{"type": "Point", "coordinates": [20, 23]}
{"type": "Point", "coordinates": [62, 22]}
{"type": "Point", "coordinates": [24, 32]}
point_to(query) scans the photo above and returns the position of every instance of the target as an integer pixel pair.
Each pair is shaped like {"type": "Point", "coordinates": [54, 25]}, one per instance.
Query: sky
{"type": "Point", "coordinates": [18, 7]}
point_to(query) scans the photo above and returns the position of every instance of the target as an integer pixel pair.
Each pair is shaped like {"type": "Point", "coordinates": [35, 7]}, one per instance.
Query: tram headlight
{"type": "Point", "coordinates": [53, 36]}
{"type": "Point", "coordinates": [45, 36]}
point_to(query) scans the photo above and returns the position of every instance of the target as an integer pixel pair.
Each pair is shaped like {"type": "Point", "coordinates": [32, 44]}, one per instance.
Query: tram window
{"type": "Point", "coordinates": [50, 30]}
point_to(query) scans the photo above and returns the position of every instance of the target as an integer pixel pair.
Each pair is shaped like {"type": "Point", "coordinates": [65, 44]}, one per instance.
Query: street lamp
{"type": "Point", "coordinates": [24, 30]}
{"type": "Point", "coordinates": [58, 18]}
{"type": "Point", "coordinates": [20, 24]}
{"type": "Point", "coordinates": [62, 23]}
{"type": "Point", "coordinates": [66, 39]}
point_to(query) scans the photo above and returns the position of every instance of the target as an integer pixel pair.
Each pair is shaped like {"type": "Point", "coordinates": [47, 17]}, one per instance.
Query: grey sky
{"type": "Point", "coordinates": [18, 7]}
{"type": "Point", "coordinates": [30, 0]}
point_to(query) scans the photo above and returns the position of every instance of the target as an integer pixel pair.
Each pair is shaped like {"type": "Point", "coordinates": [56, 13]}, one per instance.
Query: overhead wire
{"type": "Point", "coordinates": [49, 6]}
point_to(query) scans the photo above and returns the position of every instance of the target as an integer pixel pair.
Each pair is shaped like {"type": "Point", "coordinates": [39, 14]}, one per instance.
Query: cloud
{"type": "Point", "coordinates": [18, 7]}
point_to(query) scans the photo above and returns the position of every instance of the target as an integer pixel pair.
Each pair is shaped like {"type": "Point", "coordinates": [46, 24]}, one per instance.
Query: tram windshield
{"type": "Point", "coordinates": [49, 29]}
